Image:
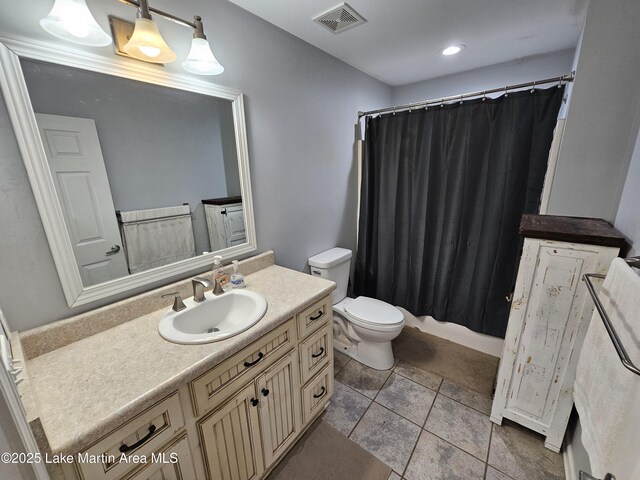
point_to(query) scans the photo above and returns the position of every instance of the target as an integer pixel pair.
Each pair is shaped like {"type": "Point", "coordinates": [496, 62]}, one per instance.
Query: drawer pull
{"type": "Point", "coordinates": [316, 355]}
{"type": "Point", "coordinates": [124, 448]}
{"type": "Point", "coordinates": [265, 391]}
{"type": "Point", "coordinates": [322, 392]}
{"type": "Point", "coordinates": [254, 402]}
{"type": "Point", "coordinates": [320, 313]}
{"type": "Point", "coordinates": [251, 364]}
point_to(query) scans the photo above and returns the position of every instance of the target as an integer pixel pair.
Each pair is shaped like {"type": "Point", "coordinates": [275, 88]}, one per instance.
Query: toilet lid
{"type": "Point", "coordinates": [374, 312]}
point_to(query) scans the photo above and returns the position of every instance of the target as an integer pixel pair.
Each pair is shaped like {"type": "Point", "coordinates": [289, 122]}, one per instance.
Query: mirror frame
{"type": "Point", "coordinates": [16, 95]}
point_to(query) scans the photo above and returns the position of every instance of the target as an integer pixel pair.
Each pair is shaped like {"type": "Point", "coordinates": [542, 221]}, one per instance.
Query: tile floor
{"type": "Point", "coordinates": [426, 427]}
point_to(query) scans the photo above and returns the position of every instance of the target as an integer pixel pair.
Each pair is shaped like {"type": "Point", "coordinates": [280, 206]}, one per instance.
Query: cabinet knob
{"type": "Point", "coordinates": [254, 402]}
{"type": "Point", "coordinates": [265, 391]}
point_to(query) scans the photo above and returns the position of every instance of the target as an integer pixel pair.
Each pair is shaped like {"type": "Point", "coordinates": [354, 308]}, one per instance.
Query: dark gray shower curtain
{"type": "Point", "coordinates": [442, 194]}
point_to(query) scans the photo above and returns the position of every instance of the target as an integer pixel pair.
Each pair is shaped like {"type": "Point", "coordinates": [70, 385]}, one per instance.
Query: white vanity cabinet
{"type": "Point", "coordinates": [225, 222]}
{"type": "Point", "coordinates": [244, 436]}
{"type": "Point", "coordinates": [549, 315]}
{"type": "Point", "coordinates": [234, 421]}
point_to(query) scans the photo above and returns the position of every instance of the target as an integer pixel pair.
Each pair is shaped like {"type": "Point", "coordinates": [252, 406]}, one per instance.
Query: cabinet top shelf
{"type": "Point", "coordinates": [593, 231]}
{"type": "Point", "coordinates": [222, 201]}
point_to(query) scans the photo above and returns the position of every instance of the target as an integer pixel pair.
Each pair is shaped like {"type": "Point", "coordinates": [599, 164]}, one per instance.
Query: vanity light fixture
{"type": "Point", "coordinates": [146, 43]}
{"type": "Point", "coordinates": [72, 20]}
{"type": "Point", "coordinates": [452, 49]}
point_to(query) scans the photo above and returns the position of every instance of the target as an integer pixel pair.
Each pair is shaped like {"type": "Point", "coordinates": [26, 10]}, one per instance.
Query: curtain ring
{"type": "Point", "coordinates": [394, 110]}
{"type": "Point", "coordinates": [534, 87]}
{"type": "Point", "coordinates": [484, 95]}
{"type": "Point", "coordinates": [461, 100]}
{"type": "Point", "coordinates": [410, 107]}
{"type": "Point", "coordinates": [506, 93]}
{"type": "Point", "coordinates": [442, 102]}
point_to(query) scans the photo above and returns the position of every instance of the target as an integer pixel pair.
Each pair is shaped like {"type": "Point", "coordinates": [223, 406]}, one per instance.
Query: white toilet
{"type": "Point", "coordinates": [362, 327]}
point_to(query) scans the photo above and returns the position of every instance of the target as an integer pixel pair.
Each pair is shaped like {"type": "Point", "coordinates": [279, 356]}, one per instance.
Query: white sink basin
{"type": "Point", "coordinates": [217, 318]}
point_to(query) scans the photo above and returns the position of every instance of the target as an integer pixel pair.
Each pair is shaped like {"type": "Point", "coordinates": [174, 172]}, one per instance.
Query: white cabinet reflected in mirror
{"type": "Point", "coordinates": [125, 167]}
{"type": "Point", "coordinates": [225, 222]}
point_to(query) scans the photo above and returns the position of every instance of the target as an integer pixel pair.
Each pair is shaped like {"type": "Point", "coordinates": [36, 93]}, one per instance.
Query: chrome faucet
{"type": "Point", "coordinates": [199, 284]}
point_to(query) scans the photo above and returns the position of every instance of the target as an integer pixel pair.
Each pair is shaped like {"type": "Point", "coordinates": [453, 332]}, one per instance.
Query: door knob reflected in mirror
{"type": "Point", "coordinates": [115, 249]}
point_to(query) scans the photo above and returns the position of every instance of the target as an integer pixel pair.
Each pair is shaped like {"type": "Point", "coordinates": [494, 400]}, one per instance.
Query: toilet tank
{"type": "Point", "coordinates": [333, 265]}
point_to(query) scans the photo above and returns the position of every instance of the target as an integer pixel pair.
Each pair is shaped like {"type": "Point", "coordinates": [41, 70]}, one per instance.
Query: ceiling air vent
{"type": "Point", "coordinates": [340, 18]}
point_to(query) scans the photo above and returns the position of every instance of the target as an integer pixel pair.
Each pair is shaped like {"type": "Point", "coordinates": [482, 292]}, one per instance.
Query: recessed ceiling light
{"type": "Point", "coordinates": [452, 49]}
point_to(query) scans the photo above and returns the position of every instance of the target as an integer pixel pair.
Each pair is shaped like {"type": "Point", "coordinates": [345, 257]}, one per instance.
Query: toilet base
{"type": "Point", "coordinates": [377, 355]}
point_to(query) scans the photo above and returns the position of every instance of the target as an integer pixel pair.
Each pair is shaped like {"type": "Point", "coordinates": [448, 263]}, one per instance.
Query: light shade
{"type": "Point", "coordinates": [147, 44]}
{"type": "Point", "coordinates": [71, 20]}
{"type": "Point", "coordinates": [201, 60]}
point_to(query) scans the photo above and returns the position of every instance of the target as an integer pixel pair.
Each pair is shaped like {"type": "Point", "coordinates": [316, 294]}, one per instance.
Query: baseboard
{"type": "Point", "coordinates": [569, 461]}
{"type": "Point", "coordinates": [455, 333]}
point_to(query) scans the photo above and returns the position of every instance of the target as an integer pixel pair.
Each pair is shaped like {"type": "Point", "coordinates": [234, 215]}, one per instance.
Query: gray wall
{"type": "Point", "coordinates": [524, 70]}
{"type": "Point", "coordinates": [301, 107]}
{"type": "Point", "coordinates": [602, 120]}
{"type": "Point", "coordinates": [628, 216]}
{"type": "Point", "coordinates": [161, 147]}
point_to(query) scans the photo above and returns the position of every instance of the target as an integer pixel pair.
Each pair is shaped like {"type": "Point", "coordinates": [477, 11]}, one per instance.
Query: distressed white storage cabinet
{"type": "Point", "coordinates": [225, 222]}
{"type": "Point", "coordinates": [549, 315]}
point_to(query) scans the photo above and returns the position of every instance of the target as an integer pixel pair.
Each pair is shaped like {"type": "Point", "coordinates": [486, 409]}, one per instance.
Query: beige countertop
{"type": "Point", "coordinates": [89, 387]}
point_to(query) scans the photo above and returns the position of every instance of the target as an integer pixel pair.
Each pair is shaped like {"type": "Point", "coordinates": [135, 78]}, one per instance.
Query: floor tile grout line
{"type": "Point", "coordinates": [465, 405]}
{"type": "Point", "coordinates": [453, 444]}
{"type": "Point", "coordinates": [421, 430]}
{"type": "Point", "coordinates": [404, 376]}
{"type": "Point", "coordinates": [389, 410]}
{"type": "Point", "coordinates": [486, 463]}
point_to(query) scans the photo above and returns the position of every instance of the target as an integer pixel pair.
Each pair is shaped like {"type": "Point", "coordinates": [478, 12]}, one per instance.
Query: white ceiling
{"type": "Point", "coordinates": [402, 39]}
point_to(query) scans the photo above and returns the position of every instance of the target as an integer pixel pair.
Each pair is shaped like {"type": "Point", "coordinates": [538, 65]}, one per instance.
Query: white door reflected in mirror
{"type": "Point", "coordinates": [77, 166]}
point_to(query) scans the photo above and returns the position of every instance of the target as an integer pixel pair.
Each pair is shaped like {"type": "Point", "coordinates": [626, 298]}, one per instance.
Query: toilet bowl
{"type": "Point", "coordinates": [363, 327]}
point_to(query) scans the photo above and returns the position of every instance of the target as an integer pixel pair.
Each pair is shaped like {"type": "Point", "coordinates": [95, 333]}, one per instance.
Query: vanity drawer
{"type": "Point", "coordinates": [315, 352]}
{"type": "Point", "coordinates": [214, 386]}
{"type": "Point", "coordinates": [315, 316]}
{"type": "Point", "coordinates": [317, 393]}
{"type": "Point", "coordinates": [176, 463]}
{"type": "Point", "coordinates": [142, 435]}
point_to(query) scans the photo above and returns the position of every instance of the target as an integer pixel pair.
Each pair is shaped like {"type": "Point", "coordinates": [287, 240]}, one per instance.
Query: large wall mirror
{"type": "Point", "coordinates": [139, 175]}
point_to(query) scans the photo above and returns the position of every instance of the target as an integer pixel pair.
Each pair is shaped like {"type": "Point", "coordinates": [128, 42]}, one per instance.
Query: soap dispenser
{"type": "Point", "coordinates": [237, 278]}
{"type": "Point", "coordinates": [218, 272]}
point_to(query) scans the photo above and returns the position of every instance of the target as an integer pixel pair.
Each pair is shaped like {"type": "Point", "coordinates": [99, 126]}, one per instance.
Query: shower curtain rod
{"type": "Point", "coordinates": [425, 103]}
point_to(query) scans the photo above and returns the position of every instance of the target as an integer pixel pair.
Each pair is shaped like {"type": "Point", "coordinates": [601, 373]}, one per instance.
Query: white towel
{"type": "Point", "coordinates": [606, 394]}
{"type": "Point", "coordinates": [156, 237]}
{"type": "Point", "coordinates": [152, 213]}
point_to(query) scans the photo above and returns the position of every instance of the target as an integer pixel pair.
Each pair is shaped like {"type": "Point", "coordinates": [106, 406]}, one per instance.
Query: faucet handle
{"type": "Point", "coordinates": [178, 304]}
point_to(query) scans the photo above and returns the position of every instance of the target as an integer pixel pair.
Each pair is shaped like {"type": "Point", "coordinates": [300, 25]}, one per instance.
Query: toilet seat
{"type": "Point", "coordinates": [373, 314]}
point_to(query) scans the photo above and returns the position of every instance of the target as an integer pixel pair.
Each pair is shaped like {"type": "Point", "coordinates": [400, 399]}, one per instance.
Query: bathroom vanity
{"type": "Point", "coordinates": [125, 403]}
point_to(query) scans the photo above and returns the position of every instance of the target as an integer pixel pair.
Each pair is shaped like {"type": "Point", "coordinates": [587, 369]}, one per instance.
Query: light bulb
{"type": "Point", "coordinates": [149, 50]}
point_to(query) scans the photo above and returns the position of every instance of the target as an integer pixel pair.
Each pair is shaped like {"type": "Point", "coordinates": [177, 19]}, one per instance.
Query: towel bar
{"type": "Point", "coordinates": [622, 353]}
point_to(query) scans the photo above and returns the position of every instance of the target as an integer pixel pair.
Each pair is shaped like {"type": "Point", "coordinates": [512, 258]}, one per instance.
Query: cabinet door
{"type": "Point", "coordinates": [279, 408]}
{"type": "Point", "coordinates": [173, 463]}
{"type": "Point", "coordinates": [234, 226]}
{"type": "Point", "coordinates": [230, 439]}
